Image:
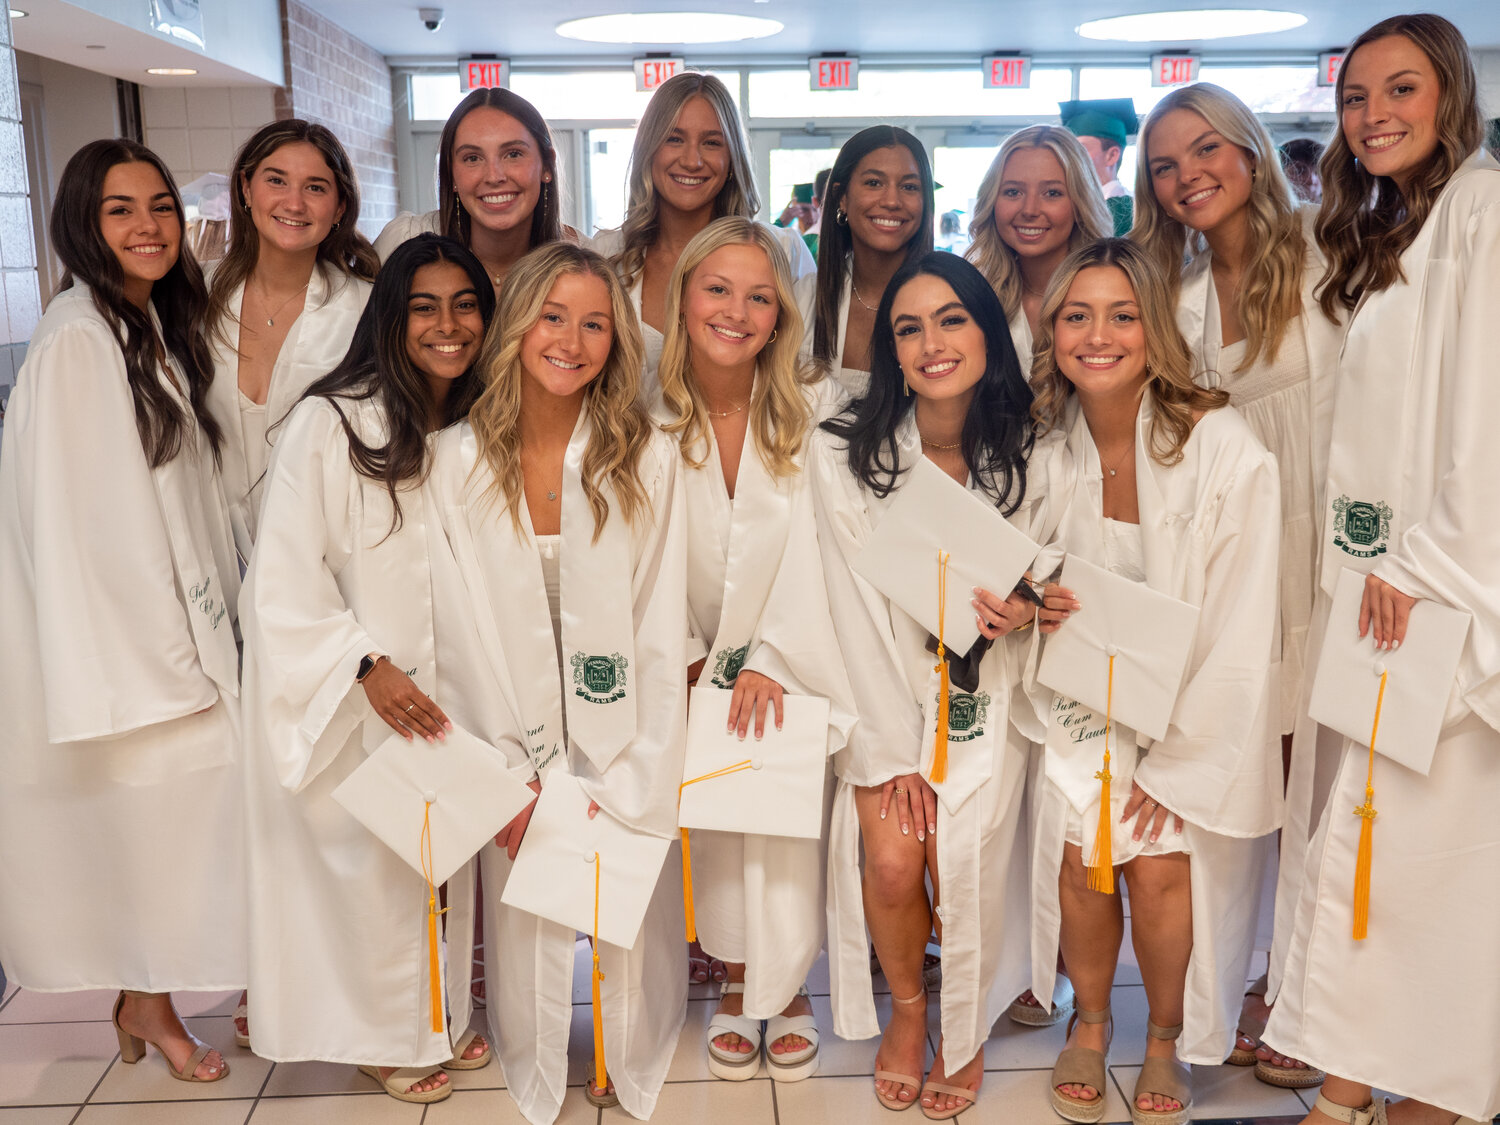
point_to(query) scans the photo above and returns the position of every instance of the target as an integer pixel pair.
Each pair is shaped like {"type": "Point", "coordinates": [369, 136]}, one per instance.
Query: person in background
{"type": "Point", "coordinates": [1299, 160]}
{"type": "Point", "coordinates": [1104, 126]}
{"type": "Point", "coordinates": [807, 213]}
{"type": "Point", "coordinates": [498, 188]}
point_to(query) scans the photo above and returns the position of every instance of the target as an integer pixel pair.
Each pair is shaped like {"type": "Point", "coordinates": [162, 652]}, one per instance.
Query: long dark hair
{"type": "Point", "coordinates": [1366, 223]}
{"type": "Point", "coordinates": [835, 243]}
{"type": "Point", "coordinates": [546, 217]}
{"type": "Point", "coordinates": [180, 299]}
{"type": "Point", "coordinates": [997, 433]}
{"type": "Point", "coordinates": [344, 250]}
{"type": "Point", "coordinates": [377, 367]}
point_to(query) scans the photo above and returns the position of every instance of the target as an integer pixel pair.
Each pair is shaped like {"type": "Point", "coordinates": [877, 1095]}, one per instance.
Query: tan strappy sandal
{"type": "Point", "coordinates": [1081, 1066]}
{"type": "Point", "coordinates": [398, 1083]}
{"type": "Point", "coordinates": [133, 1048]}
{"type": "Point", "coordinates": [1166, 1077]}
{"type": "Point", "coordinates": [893, 1101]}
{"type": "Point", "coordinates": [478, 1062]}
{"type": "Point", "coordinates": [1372, 1114]}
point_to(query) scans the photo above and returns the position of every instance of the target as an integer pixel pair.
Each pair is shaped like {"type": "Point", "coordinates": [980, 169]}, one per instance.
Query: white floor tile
{"type": "Point", "coordinates": [1226, 1091]}
{"type": "Point", "coordinates": [298, 1079]}
{"type": "Point", "coordinates": [494, 1107]}
{"type": "Point", "coordinates": [58, 1007]}
{"type": "Point", "coordinates": [694, 1103]}
{"type": "Point", "coordinates": [150, 1081]}
{"type": "Point", "coordinates": [50, 1064]}
{"type": "Point", "coordinates": [372, 1109]}
{"type": "Point", "coordinates": [38, 1115]}
{"type": "Point", "coordinates": [167, 1113]}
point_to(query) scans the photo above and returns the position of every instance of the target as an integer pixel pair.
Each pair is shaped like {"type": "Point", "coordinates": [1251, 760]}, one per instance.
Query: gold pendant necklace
{"type": "Point", "coordinates": [727, 413]}
{"type": "Point", "coordinates": [271, 319]}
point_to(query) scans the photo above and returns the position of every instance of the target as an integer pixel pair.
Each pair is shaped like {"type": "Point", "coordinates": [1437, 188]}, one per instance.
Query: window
{"type": "Point", "coordinates": [585, 95]}
{"type": "Point", "coordinates": [903, 94]}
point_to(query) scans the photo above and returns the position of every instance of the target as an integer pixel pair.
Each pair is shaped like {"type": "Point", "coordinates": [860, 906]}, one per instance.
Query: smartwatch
{"type": "Point", "coordinates": [367, 665]}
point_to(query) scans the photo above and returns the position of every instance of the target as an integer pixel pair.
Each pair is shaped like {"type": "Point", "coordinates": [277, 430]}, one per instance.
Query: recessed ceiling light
{"type": "Point", "coordinates": [1203, 23]}
{"type": "Point", "coordinates": [669, 27]}
{"type": "Point", "coordinates": [16, 14]}
{"type": "Point", "coordinates": [171, 71]}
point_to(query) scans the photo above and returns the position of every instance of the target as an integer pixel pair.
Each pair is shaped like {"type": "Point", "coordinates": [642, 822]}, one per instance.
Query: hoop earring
{"type": "Point", "coordinates": [774, 334]}
{"type": "Point", "coordinates": [905, 387]}
{"type": "Point", "coordinates": [335, 227]}
{"type": "Point", "coordinates": [841, 216]}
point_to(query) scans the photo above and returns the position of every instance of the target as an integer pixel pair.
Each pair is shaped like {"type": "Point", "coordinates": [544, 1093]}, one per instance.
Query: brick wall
{"type": "Point", "coordinates": [20, 300]}
{"type": "Point", "coordinates": [333, 78]}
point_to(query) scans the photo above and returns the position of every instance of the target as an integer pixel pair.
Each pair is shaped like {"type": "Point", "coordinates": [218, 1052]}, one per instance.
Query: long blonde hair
{"type": "Point", "coordinates": [620, 429]}
{"type": "Point", "coordinates": [779, 410]}
{"type": "Point", "coordinates": [643, 210]}
{"type": "Point", "coordinates": [988, 251]}
{"type": "Point", "coordinates": [1366, 223]}
{"type": "Point", "coordinates": [1169, 360]}
{"type": "Point", "coordinates": [1270, 293]}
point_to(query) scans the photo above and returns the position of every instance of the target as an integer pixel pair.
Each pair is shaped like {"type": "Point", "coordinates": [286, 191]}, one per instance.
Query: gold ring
{"type": "Point", "coordinates": [899, 789]}
{"type": "Point", "coordinates": [410, 705]}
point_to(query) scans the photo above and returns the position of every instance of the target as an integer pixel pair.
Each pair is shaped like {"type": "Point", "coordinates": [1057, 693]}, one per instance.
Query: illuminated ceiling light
{"type": "Point", "coordinates": [171, 71]}
{"type": "Point", "coordinates": [669, 27]}
{"type": "Point", "coordinates": [1180, 27]}
{"type": "Point", "coordinates": [16, 14]}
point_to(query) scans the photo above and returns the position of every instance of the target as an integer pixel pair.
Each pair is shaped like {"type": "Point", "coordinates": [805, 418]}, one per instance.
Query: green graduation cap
{"type": "Point", "coordinates": [1109, 119]}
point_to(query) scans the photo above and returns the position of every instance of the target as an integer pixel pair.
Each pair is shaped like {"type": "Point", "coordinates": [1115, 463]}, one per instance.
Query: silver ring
{"type": "Point", "coordinates": [1152, 803]}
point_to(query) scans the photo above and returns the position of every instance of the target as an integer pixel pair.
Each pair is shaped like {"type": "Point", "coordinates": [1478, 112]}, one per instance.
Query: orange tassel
{"type": "Point", "coordinates": [940, 744]}
{"type": "Point", "coordinates": [687, 854]}
{"type": "Point", "coordinates": [1366, 813]}
{"type": "Point", "coordinates": [434, 969]}
{"type": "Point", "coordinates": [601, 1076]}
{"type": "Point", "coordinates": [1101, 868]}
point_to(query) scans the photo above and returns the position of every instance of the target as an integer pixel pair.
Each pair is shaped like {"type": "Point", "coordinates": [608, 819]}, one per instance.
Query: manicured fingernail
{"type": "Point", "coordinates": [882, 814]}
{"type": "Point", "coordinates": [905, 831]}
{"type": "Point", "coordinates": [920, 835]}
{"type": "Point", "coordinates": [1155, 836]}
{"type": "Point", "coordinates": [1395, 645]}
{"type": "Point", "coordinates": [447, 725]}
{"type": "Point", "coordinates": [778, 724]}
{"type": "Point", "coordinates": [758, 735]}
{"type": "Point", "coordinates": [932, 828]}
{"type": "Point", "coordinates": [974, 589]}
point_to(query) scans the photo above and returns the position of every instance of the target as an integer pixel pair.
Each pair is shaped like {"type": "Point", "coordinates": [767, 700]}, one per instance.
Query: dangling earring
{"type": "Point", "coordinates": [905, 387]}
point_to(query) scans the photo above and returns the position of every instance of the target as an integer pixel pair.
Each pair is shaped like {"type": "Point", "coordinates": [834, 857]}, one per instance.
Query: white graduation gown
{"type": "Point", "coordinates": [338, 940]}
{"type": "Point", "coordinates": [314, 345]}
{"type": "Point", "coordinates": [804, 281]}
{"type": "Point", "coordinates": [756, 599]}
{"type": "Point", "coordinates": [1413, 431]}
{"type": "Point", "coordinates": [1020, 338]}
{"type": "Point", "coordinates": [405, 226]}
{"type": "Point", "coordinates": [529, 961]}
{"type": "Point", "coordinates": [1299, 417]}
{"type": "Point", "coordinates": [1210, 533]}
{"type": "Point", "coordinates": [980, 838]}
{"type": "Point", "coordinates": [121, 833]}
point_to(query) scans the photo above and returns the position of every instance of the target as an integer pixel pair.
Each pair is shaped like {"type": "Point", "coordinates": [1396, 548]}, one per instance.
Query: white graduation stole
{"type": "Point", "coordinates": [1075, 747]}
{"type": "Point", "coordinates": [598, 624]}
{"type": "Point", "coordinates": [972, 719]}
{"type": "Point", "coordinates": [758, 529]}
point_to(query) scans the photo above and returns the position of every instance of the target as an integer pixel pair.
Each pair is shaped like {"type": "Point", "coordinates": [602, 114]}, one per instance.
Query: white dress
{"type": "Point", "coordinates": [317, 340]}
{"type": "Point", "coordinates": [1209, 536]}
{"type": "Point", "coordinates": [121, 830]}
{"type": "Point", "coordinates": [338, 937]}
{"type": "Point", "coordinates": [1413, 438]}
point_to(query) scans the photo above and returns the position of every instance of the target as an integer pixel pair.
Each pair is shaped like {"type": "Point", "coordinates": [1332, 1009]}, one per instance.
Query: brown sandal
{"type": "Point", "coordinates": [133, 1048]}
{"type": "Point", "coordinates": [1166, 1077]}
{"type": "Point", "coordinates": [1081, 1066]}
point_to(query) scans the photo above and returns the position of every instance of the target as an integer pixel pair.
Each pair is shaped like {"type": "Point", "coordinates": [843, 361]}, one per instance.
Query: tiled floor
{"type": "Point", "coordinates": [59, 1065]}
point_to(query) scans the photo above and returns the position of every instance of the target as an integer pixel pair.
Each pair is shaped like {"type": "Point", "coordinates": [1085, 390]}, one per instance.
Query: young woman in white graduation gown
{"type": "Point", "coordinates": [1411, 230]}
{"type": "Point", "coordinates": [498, 188]}
{"type": "Point", "coordinates": [1210, 186]}
{"type": "Point", "coordinates": [690, 165]}
{"type": "Point", "coordinates": [561, 501]}
{"type": "Point", "coordinates": [1039, 201]}
{"type": "Point", "coordinates": [121, 853]}
{"type": "Point", "coordinates": [338, 619]}
{"type": "Point", "coordinates": [741, 404]}
{"type": "Point", "coordinates": [285, 297]}
{"type": "Point", "coordinates": [945, 385]}
{"type": "Point", "coordinates": [1170, 489]}
{"type": "Point", "coordinates": [878, 211]}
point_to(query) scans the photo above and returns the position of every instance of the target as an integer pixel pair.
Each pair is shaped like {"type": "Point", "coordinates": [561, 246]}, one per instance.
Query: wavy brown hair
{"type": "Point", "coordinates": [988, 251]}
{"type": "Point", "coordinates": [619, 428]}
{"type": "Point", "coordinates": [643, 210]}
{"type": "Point", "coordinates": [1366, 223]}
{"type": "Point", "coordinates": [546, 216]}
{"type": "Point", "coordinates": [1270, 293]}
{"type": "Point", "coordinates": [345, 251]}
{"type": "Point", "coordinates": [1169, 360]}
{"type": "Point", "coordinates": [780, 413]}
{"type": "Point", "coordinates": [179, 299]}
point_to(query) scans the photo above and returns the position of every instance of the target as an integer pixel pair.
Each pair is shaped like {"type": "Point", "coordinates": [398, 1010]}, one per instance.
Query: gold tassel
{"type": "Point", "coordinates": [1366, 813]}
{"type": "Point", "coordinates": [687, 854]}
{"type": "Point", "coordinates": [1101, 868]}
{"type": "Point", "coordinates": [434, 969]}
{"type": "Point", "coordinates": [601, 1076]}
{"type": "Point", "coordinates": [940, 744]}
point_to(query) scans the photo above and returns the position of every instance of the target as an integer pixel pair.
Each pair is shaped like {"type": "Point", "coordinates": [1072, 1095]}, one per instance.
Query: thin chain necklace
{"type": "Point", "coordinates": [938, 444]}
{"type": "Point", "coordinates": [726, 413]}
{"type": "Point", "coordinates": [271, 319]}
{"type": "Point", "coordinates": [861, 300]}
{"type": "Point", "coordinates": [1119, 461]}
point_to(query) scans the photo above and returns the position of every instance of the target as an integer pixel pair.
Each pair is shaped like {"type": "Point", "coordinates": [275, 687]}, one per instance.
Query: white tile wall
{"type": "Point", "coordinates": [198, 130]}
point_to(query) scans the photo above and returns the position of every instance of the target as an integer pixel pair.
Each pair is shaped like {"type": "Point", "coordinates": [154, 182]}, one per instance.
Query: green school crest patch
{"type": "Point", "coordinates": [966, 715]}
{"type": "Point", "coordinates": [599, 679]}
{"type": "Point", "coordinates": [727, 665]}
{"type": "Point", "coordinates": [1360, 528]}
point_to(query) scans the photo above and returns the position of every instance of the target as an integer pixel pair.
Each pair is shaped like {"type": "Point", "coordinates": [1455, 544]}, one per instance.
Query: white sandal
{"type": "Point", "coordinates": [399, 1082]}
{"type": "Point", "coordinates": [1034, 1015]}
{"type": "Point", "coordinates": [1372, 1114]}
{"type": "Point", "coordinates": [792, 1066]}
{"type": "Point", "coordinates": [733, 1066]}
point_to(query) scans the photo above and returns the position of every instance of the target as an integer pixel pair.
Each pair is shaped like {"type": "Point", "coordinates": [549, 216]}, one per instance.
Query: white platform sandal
{"type": "Point", "coordinates": [733, 1066]}
{"type": "Point", "coordinates": [792, 1066]}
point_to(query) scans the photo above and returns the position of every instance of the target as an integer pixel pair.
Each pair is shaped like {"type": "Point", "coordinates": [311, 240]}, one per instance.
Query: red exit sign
{"type": "Point", "coordinates": [652, 72]}
{"type": "Point", "coordinates": [834, 73]}
{"type": "Point", "coordinates": [1007, 72]}
{"type": "Point", "coordinates": [1329, 65]}
{"type": "Point", "coordinates": [478, 74]}
{"type": "Point", "coordinates": [1173, 70]}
